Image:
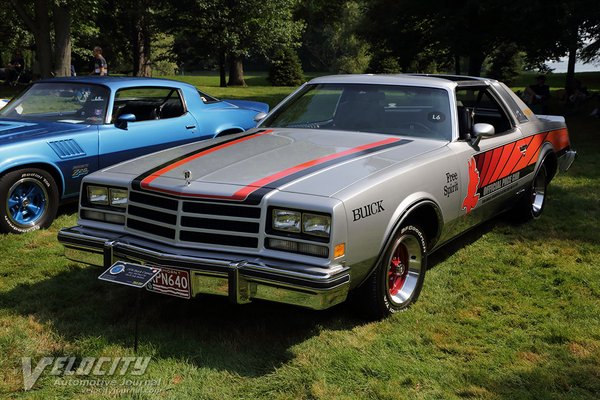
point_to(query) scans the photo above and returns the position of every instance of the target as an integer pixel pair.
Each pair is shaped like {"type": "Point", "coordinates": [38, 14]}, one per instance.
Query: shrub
{"type": "Point", "coordinates": [286, 69]}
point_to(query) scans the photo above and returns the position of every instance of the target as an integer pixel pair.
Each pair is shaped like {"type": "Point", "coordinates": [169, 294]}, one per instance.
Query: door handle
{"type": "Point", "coordinates": [523, 149]}
{"type": "Point", "coordinates": [190, 126]}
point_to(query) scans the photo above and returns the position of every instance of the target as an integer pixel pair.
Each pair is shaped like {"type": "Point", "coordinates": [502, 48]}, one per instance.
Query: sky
{"type": "Point", "coordinates": [561, 66]}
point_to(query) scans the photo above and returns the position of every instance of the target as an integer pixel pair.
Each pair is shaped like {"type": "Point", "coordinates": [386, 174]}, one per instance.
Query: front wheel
{"type": "Point", "coordinates": [397, 281]}
{"type": "Point", "coordinates": [28, 200]}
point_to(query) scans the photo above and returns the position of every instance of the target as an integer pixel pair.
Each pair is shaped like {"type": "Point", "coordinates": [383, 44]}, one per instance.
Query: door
{"type": "Point", "coordinates": [491, 173]}
{"type": "Point", "coordinates": [161, 121]}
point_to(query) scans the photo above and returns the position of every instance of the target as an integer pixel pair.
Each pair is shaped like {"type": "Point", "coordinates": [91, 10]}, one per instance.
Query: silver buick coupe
{"type": "Point", "coordinates": [346, 186]}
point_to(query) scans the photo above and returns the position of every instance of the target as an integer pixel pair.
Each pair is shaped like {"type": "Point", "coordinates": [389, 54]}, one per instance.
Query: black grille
{"type": "Point", "coordinates": [221, 209]}
{"type": "Point", "coordinates": [220, 224]}
{"type": "Point", "coordinates": [157, 201]}
{"type": "Point", "coordinates": [152, 215]}
{"type": "Point", "coordinates": [151, 228]}
{"type": "Point", "coordinates": [212, 238]}
{"type": "Point", "coordinates": [201, 222]}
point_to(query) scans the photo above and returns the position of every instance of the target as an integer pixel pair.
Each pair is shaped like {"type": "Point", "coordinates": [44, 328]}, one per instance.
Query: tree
{"type": "Point", "coordinates": [13, 37]}
{"type": "Point", "coordinates": [286, 69]}
{"type": "Point", "coordinates": [404, 33]}
{"type": "Point", "coordinates": [50, 23]}
{"type": "Point", "coordinates": [232, 30]}
{"type": "Point", "coordinates": [330, 41]}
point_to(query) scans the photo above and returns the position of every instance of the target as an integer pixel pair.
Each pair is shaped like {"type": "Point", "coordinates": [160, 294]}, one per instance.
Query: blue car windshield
{"type": "Point", "coordinates": [389, 109]}
{"type": "Point", "coordinates": [72, 103]}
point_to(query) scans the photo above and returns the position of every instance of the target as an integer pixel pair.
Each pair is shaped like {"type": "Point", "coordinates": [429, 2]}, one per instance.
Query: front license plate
{"type": "Point", "coordinates": [173, 282]}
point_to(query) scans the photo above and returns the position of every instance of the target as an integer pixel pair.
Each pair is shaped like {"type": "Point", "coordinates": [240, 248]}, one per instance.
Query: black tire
{"type": "Point", "coordinates": [532, 204]}
{"type": "Point", "coordinates": [394, 286]}
{"type": "Point", "coordinates": [28, 200]}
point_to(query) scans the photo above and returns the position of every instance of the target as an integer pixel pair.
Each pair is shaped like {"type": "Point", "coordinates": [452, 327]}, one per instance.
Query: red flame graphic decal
{"type": "Point", "coordinates": [472, 197]}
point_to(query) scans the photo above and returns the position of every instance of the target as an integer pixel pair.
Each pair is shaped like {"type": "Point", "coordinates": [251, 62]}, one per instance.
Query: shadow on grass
{"type": "Point", "coordinates": [464, 240]}
{"type": "Point", "coordinates": [569, 378]}
{"type": "Point", "coordinates": [249, 340]}
{"type": "Point", "coordinates": [67, 208]}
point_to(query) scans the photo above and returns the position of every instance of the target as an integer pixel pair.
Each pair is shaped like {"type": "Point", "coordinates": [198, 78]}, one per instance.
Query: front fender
{"type": "Point", "coordinates": [36, 162]}
{"type": "Point", "coordinates": [402, 214]}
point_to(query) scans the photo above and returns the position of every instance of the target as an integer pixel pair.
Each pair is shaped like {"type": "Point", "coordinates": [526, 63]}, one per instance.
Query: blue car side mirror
{"type": "Point", "coordinates": [123, 120]}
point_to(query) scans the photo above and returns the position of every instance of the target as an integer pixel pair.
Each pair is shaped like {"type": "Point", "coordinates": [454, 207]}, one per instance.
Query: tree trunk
{"type": "Point", "coordinates": [141, 41]}
{"type": "Point", "coordinates": [39, 25]}
{"type": "Point", "coordinates": [62, 34]}
{"type": "Point", "coordinates": [236, 71]}
{"type": "Point", "coordinates": [457, 64]}
{"type": "Point", "coordinates": [222, 70]}
{"type": "Point", "coordinates": [475, 63]}
{"type": "Point", "coordinates": [43, 42]}
{"type": "Point", "coordinates": [573, 45]}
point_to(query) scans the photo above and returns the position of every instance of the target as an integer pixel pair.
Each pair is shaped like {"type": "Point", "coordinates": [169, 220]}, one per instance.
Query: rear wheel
{"type": "Point", "coordinates": [532, 204]}
{"type": "Point", "coordinates": [397, 281]}
{"type": "Point", "coordinates": [28, 200]}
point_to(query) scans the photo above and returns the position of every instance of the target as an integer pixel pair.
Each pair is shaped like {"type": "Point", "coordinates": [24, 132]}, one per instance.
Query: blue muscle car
{"type": "Point", "coordinates": [59, 130]}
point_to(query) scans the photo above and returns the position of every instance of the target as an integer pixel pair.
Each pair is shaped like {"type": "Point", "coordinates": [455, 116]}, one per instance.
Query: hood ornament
{"type": "Point", "coordinates": [187, 175]}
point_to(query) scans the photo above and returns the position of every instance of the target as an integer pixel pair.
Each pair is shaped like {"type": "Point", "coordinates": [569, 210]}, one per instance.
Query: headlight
{"type": "Point", "coordinates": [286, 220]}
{"type": "Point", "coordinates": [98, 195]}
{"type": "Point", "coordinates": [316, 224]}
{"type": "Point", "coordinates": [118, 197]}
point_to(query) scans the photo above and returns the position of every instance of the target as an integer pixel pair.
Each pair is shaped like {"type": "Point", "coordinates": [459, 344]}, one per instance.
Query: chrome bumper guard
{"type": "Point", "coordinates": [566, 160]}
{"type": "Point", "coordinates": [215, 273]}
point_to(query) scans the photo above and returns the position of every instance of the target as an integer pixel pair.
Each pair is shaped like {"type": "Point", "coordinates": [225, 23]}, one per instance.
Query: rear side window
{"type": "Point", "coordinates": [484, 106]}
{"type": "Point", "coordinates": [148, 103]}
{"type": "Point", "coordinates": [512, 101]}
{"type": "Point", "coordinates": [208, 99]}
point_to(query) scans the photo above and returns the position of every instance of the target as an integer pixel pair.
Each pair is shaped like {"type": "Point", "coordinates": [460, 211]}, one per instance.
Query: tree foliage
{"type": "Point", "coordinates": [237, 29]}
{"type": "Point", "coordinates": [286, 69]}
{"type": "Point", "coordinates": [338, 36]}
{"type": "Point", "coordinates": [330, 41]}
{"type": "Point", "coordinates": [51, 24]}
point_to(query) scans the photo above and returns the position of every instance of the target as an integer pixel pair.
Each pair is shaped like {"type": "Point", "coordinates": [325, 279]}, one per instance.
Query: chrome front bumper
{"type": "Point", "coordinates": [242, 280]}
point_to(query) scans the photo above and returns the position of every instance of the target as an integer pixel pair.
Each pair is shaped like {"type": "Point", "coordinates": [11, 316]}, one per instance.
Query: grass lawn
{"type": "Point", "coordinates": [507, 312]}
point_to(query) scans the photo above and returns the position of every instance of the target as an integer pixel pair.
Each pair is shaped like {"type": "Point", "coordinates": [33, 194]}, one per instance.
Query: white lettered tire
{"type": "Point", "coordinates": [398, 279]}
{"type": "Point", "coordinates": [28, 200]}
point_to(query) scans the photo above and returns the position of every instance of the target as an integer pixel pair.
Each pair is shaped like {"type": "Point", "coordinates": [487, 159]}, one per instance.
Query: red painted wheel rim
{"type": "Point", "coordinates": [404, 270]}
{"type": "Point", "coordinates": [398, 269]}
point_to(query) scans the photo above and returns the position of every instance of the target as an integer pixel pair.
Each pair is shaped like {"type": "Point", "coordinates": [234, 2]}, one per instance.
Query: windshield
{"type": "Point", "coordinates": [73, 103]}
{"type": "Point", "coordinates": [390, 109]}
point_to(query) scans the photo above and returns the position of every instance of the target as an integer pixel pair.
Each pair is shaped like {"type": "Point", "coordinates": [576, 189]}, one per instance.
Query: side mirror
{"type": "Point", "coordinates": [481, 130]}
{"type": "Point", "coordinates": [260, 116]}
{"type": "Point", "coordinates": [124, 120]}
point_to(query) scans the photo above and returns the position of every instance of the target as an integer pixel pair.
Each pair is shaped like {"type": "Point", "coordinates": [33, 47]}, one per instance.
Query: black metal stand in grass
{"type": "Point", "coordinates": [132, 275]}
{"type": "Point", "coordinates": [138, 304]}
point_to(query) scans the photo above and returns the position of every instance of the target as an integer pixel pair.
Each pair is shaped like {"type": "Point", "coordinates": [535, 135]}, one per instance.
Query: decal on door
{"type": "Point", "coordinates": [495, 171]}
{"type": "Point", "coordinates": [472, 197]}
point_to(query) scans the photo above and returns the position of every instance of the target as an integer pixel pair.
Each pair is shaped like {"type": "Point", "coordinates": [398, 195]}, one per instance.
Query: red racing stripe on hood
{"type": "Point", "coordinates": [146, 182]}
{"type": "Point", "coordinates": [244, 192]}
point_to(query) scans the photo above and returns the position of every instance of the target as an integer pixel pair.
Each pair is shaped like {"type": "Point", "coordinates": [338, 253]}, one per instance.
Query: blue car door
{"type": "Point", "coordinates": [161, 121]}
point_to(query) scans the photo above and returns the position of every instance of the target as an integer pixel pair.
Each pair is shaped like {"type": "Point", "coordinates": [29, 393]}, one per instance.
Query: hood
{"type": "Point", "coordinates": [250, 105]}
{"type": "Point", "coordinates": [316, 162]}
{"type": "Point", "coordinates": [12, 130]}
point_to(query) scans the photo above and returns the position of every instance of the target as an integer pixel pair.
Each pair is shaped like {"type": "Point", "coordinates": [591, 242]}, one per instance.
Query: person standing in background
{"type": "Point", "coordinates": [100, 66]}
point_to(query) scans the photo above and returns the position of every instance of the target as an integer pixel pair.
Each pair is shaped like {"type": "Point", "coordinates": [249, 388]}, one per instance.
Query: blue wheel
{"type": "Point", "coordinates": [29, 199]}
